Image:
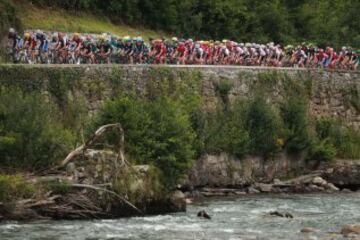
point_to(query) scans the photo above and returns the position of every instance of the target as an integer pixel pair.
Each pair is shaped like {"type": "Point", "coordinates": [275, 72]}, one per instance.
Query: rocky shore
{"type": "Point", "coordinates": [223, 175]}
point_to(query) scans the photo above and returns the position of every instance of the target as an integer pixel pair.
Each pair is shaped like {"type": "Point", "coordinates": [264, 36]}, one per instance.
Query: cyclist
{"type": "Point", "coordinates": [43, 46]}
{"type": "Point", "coordinates": [15, 42]}
{"type": "Point", "coordinates": [88, 49]}
{"type": "Point", "coordinates": [104, 49]}
{"type": "Point", "coordinates": [29, 44]}
{"type": "Point", "coordinates": [76, 43]}
{"type": "Point", "coordinates": [180, 54]}
{"type": "Point", "coordinates": [160, 52]}
{"type": "Point", "coordinates": [198, 54]}
{"type": "Point", "coordinates": [62, 47]}
{"type": "Point", "coordinates": [140, 51]}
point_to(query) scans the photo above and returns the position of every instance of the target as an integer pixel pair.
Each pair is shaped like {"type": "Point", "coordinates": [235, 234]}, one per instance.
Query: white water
{"type": "Point", "coordinates": [243, 218]}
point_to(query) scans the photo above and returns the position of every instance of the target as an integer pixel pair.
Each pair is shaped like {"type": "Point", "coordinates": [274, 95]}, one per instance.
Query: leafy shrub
{"type": "Point", "coordinates": [296, 127]}
{"type": "Point", "coordinates": [30, 136]}
{"type": "Point", "coordinates": [158, 133]}
{"type": "Point", "coordinates": [323, 151]}
{"type": "Point", "coordinates": [13, 187]}
{"type": "Point", "coordinates": [225, 132]}
{"type": "Point", "coordinates": [345, 140]}
{"type": "Point", "coordinates": [263, 126]}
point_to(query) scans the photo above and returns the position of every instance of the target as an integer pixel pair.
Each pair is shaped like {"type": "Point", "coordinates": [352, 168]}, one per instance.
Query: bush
{"type": "Point", "coordinates": [323, 151]}
{"type": "Point", "coordinates": [14, 187]}
{"type": "Point", "coordinates": [30, 135]}
{"type": "Point", "coordinates": [158, 133]}
{"type": "Point", "coordinates": [263, 126]}
{"type": "Point", "coordinates": [294, 115]}
{"type": "Point", "coordinates": [344, 139]}
{"type": "Point", "coordinates": [225, 132]}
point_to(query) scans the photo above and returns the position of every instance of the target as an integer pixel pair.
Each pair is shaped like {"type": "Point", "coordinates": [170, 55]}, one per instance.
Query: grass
{"type": "Point", "coordinates": [49, 19]}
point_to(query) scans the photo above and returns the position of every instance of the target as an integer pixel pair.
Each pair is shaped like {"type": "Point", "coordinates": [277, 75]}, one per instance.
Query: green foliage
{"type": "Point", "coordinates": [30, 135]}
{"type": "Point", "coordinates": [157, 133]}
{"type": "Point", "coordinates": [225, 131]}
{"type": "Point", "coordinates": [344, 139]}
{"type": "Point", "coordinates": [263, 126]}
{"type": "Point", "coordinates": [13, 187]}
{"type": "Point", "coordinates": [325, 22]}
{"type": "Point", "coordinates": [296, 127]}
{"type": "Point", "coordinates": [223, 88]}
{"type": "Point", "coordinates": [8, 18]}
{"type": "Point", "coordinates": [56, 187]}
{"type": "Point", "coordinates": [251, 127]}
{"type": "Point", "coordinates": [323, 151]}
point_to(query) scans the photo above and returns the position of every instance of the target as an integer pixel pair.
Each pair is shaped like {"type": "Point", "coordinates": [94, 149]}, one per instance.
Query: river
{"type": "Point", "coordinates": [243, 218]}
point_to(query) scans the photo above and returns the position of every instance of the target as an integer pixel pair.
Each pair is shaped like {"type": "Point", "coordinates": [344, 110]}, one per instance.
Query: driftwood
{"type": "Point", "coordinates": [107, 191]}
{"type": "Point", "coordinates": [304, 178]}
{"type": "Point", "coordinates": [98, 133]}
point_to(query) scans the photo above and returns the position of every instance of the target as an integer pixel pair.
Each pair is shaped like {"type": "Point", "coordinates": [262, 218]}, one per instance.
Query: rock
{"type": "Point", "coordinates": [252, 190]}
{"type": "Point", "coordinates": [350, 230]}
{"type": "Point", "coordinates": [344, 175]}
{"type": "Point", "coordinates": [278, 182]}
{"type": "Point", "coordinates": [319, 181]}
{"type": "Point", "coordinates": [331, 187]}
{"type": "Point", "coordinates": [203, 214]}
{"type": "Point", "coordinates": [265, 187]}
{"type": "Point", "coordinates": [345, 190]}
{"type": "Point", "coordinates": [178, 199]}
{"type": "Point", "coordinates": [309, 230]}
{"type": "Point", "coordinates": [283, 215]}
{"type": "Point", "coordinates": [315, 188]}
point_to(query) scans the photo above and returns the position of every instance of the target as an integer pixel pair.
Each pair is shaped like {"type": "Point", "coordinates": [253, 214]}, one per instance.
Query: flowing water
{"type": "Point", "coordinates": [239, 218]}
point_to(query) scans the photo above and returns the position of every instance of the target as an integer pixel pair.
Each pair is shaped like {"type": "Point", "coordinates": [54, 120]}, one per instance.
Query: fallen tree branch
{"type": "Point", "coordinates": [80, 150]}
{"type": "Point", "coordinates": [107, 191]}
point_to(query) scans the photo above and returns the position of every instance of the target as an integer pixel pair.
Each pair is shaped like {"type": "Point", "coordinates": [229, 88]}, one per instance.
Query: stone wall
{"type": "Point", "coordinates": [335, 94]}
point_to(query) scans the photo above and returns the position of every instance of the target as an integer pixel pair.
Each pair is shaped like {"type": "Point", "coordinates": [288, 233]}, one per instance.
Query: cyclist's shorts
{"type": "Point", "coordinates": [326, 62]}
{"type": "Point", "coordinates": [20, 43]}
{"type": "Point", "coordinates": [44, 47]}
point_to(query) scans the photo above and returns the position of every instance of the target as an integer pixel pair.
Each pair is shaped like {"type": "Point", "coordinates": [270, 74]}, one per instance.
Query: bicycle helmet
{"type": "Point", "coordinates": [358, 51]}
{"type": "Point", "coordinates": [27, 35]}
{"type": "Point", "coordinates": [139, 40]}
{"type": "Point", "coordinates": [76, 35]}
{"type": "Point", "coordinates": [11, 30]}
{"type": "Point", "coordinates": [174, 39]}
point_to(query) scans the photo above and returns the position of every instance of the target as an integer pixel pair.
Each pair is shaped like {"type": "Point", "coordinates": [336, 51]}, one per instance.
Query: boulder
{"type": "Point", "coordinates": [345, 190]}
{"type": "Point", "coordinates": [351, 230]}
{"type": "Point", "coordinates": [252, 190]}
{"type": "Point", "coordinates": [178, 200]}
{"type": "Point", "coordinates": [331, 187]}
{"type": "Point", "coordinates": [316, 188]}
{"type": "Point", "coordinates": [343, 175]}
{"type": "Point", "coordinates": [319, 181]}
{"type": "Point", "coordinates": [266, 188]}
{"type": "Point", "coordinates": [278, 182]}
{"type": "Point", "coordinates": [203, 214]}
